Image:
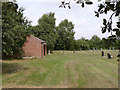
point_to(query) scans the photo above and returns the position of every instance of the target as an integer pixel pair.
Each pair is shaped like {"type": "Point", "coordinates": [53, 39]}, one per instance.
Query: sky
{"type": "Point", "coordinates": [85, 23]}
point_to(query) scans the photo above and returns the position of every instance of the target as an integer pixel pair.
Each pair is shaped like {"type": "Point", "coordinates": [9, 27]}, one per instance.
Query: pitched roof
{"type": "Point", "coordinates": [38, 39]}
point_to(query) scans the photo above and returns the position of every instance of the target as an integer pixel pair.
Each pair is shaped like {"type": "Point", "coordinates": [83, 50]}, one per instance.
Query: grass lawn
{"type": "Point", "coordinates": [83, 69]}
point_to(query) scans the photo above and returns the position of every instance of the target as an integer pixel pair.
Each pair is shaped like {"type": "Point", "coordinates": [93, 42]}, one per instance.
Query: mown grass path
{"type": "Point", "coordinates": [83, 69]}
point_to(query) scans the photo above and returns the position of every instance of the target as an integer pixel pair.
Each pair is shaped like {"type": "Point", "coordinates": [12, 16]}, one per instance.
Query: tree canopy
{"type": "Point", "coordinates": [45, 29]}
{"type": "Point", "coordinates": [65, 34]}
{"type": "Point", "coordinates": [14, 29]}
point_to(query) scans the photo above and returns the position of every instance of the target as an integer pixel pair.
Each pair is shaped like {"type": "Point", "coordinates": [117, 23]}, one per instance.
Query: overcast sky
{"type": "Point", "coordinates": [86, 24]}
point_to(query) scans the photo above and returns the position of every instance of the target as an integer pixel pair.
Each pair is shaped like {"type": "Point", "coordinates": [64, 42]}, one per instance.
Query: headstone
{"type": "Point", "coordinates": [89, 49]}
{"type": "Point", "coordinates": [118, 55]}
{"type": "Point", "coordinates": [49, 52]}
{"type": "Point", "coordinates": [113, 48]}
{"type": "Point", "coordinates": [118, 59]}
{"type": "Point", "coordinates": [118, 51]}
{"type": "Point", "coordinates": [93, 49]}
{"type": "Point", "coordinates": [109, 56]}
{"type": "Point", "coordinates": [100, 48]}
{"type": "Point", "coordinates": [73, 51]}
{"type": "Point", "coordinates": [63, 51]}
{"type": "Point", "coordinates": [102, 53]}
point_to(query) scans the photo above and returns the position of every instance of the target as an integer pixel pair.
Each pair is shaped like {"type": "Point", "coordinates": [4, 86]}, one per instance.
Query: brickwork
{"type": "Point", "coordinates": [33, 47]}
{"type": "Point", "coordinates": [42, 50]}
{"type": "Point", "coordinates": [45, 49]}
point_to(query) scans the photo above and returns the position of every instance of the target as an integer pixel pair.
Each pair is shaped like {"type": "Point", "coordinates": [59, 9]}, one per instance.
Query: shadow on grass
{"type": "Point", "coordinates": [12, 68]}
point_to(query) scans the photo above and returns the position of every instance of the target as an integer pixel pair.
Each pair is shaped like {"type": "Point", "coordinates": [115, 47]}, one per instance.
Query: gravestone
{"type": "Point", "coordinates": [100, 48]}
{"type": "Point", "coordinates": [63, 52]}
{"type": "Point", "coordinates": [73, 51]}
{"type": "Point", "coordinates": [49, 52]}
{"type": "Point", "coordinates": [109, 56]}
{"type": "Point", "coordinates": [102, 53]}
{"type": "Point", "coordinates": [113, 48]}
{"type": "Point", "coordinates": [118, 57]}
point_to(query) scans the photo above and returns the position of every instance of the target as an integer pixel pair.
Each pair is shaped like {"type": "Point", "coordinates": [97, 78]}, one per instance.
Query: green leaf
{"type": "Point", "coordinates": [117, 12]}
{"type": "Point", "coordinates": [97, 15]}
{"type": "Point", "coordinates": [101, 6]}
{"type": "Point", "coordinates": [118, 33]}
{"type": "Point", "coordinates": [115, 29]}
{"type": "Point", "coordinates": [104, 21]}
{"type": "Point", "coordinates": [103, 29]}
{"type": "Point", "coordinates": [118, 25]}
{"type": "Point", "coordinates": [118, 22]}
{"type": "Point", "coordinates": [82, 5]}
{"type": "Point", "coordinates": [88, 2]}
{"type": "Point", "coordinates": [106, 9]}
{"type": "Point", "coordinates": [69, 7]}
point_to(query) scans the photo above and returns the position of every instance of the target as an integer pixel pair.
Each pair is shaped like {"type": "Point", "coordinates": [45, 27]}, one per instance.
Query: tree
{"type": "Point", "coordinates": [14, 29]}
{"type": "Point", "coordinates": [45, 29]}
{"type": "Point", "coordinates": [84, 43]}
{"type": "Point", "coordinates": [65, 35]}
{"type": "Point", "coordinates": [114, 7]}
{"type": "Point", "coordinates": [107, 43]}
{"type": "Point", "coordinates": [103, 8]}
{"type": "Point", "coordinates": [96, 42]}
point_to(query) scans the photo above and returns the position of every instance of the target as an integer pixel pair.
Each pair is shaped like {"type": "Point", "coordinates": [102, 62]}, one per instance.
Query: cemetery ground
{"type": "Point", "coordinates": [82, 69]}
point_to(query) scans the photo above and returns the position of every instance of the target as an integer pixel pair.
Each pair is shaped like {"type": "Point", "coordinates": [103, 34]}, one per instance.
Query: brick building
{"type": "Point", "coordinates": [34, 46]}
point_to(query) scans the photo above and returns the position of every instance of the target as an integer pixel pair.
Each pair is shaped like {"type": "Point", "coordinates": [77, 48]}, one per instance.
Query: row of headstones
{"type": "Point", "coordinates": [94, 49]}
{"type": "Point", "coordinates": [101, 49]}
{"type": "Point", "coordinates": [109, 56]}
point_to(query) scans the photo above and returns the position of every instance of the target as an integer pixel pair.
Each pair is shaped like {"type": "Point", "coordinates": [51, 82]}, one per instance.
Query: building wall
{"type": "Point", "coordinates": [32, 47]}
{"type": "Point", "coordinates": [45, 49]}
{"type": "Point", "coordinates": [42, 48]}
